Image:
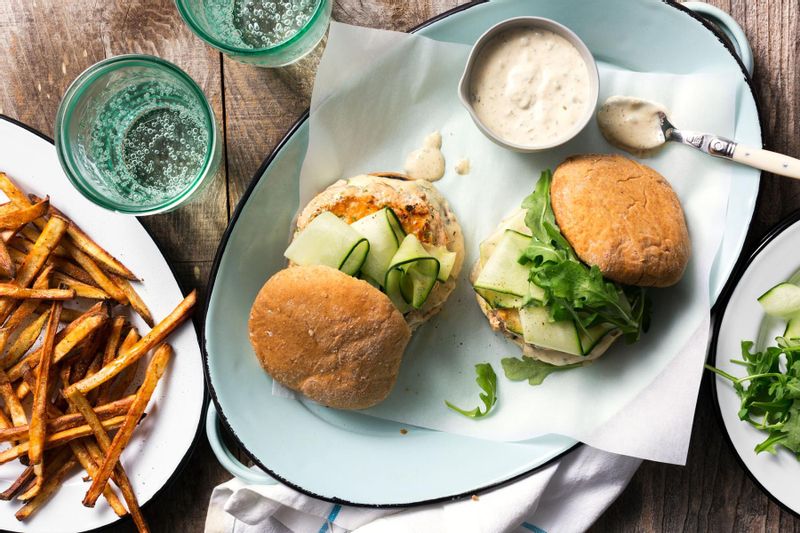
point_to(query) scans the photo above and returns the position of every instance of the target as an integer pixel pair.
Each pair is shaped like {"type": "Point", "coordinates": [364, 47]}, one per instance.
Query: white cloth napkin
{"type": "Point", "coordinates": [566, 496]}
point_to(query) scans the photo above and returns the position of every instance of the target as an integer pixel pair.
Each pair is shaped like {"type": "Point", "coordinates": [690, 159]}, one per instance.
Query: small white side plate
{"type": "Point", "coordinates": [742, 318]}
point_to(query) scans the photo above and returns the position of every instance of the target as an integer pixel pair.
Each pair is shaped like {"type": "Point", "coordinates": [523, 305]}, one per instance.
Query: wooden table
{"type": "Point", "coordinates": [47, 43]}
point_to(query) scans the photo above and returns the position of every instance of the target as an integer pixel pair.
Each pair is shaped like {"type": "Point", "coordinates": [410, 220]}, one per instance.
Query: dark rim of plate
{"type": "Point", "coordinates": [717, 316]}
{"type": "Point", "coordinates": [256, 179]}
{"type": "Point", "coordinates": [185, 459]}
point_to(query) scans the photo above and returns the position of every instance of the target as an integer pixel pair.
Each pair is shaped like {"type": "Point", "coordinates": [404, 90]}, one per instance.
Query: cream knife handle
{"type": "Point", "coordinates": [766, 160]}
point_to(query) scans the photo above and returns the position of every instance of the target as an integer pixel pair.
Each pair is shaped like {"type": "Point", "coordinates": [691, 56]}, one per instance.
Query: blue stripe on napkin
{"type": "Point", "coordinates": [331, 517]}
{"type": "Point", "coordinates": [531, 527]}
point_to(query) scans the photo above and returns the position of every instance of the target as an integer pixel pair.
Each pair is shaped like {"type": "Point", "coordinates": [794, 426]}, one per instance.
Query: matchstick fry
{"type": "Point", "coordinates": [110, 352]}
{"type": "Point", "coordinates": [79, 402]}
{"type": "Point", "coordinates": [48, 489]}
{"type": "Point", "coordinates": [72, 270]}
{"type": "Point", "coordinates": [82, 290]}
{"type": "Point", "coordinates": [7, 267]}
{"type": "Point", "coordinates": [134, 299]}
{"type": "Point", "coordinates": [120, 386]}
{"type": "Point", "coordinates": [26, 338]}
{"type": "Point", "coordinates": [14, 193]}
{"type": "Point", "coordinates": [59, 438]}
{"type": "Point", "coordinates": [25, 309]}
{"type": "Point", "coordinates": [80, 451]}
{"type": "Point", "coordinates": [100, 277]}
{"type": "Point", "coordinates": [18, 485]}
{"type": "Point", "coordinates": [153, 338]}
{"type": "Point", "coordinates": [35, 259]}
{"type": "Point", "coordinates": [23, 215]}
{"type": "Point", "coordinates": [13, 404]}
{"type": "Point", "coordinates": [67, 339]}
{"type": "Point", "coordinates": [42, 248]}
{"type": "Point", "coordinates": [58, 458]}
{"type": "Point", "coordinates": [38, 423]}
{"type": "Point", "coordinates": [21, 293]}
{"type": "Point", "coordinates": [89, 246]}
{"type": "Point", "coordinates": [71, 420]}
{"type": "Point", "coordinates": [156, 368]}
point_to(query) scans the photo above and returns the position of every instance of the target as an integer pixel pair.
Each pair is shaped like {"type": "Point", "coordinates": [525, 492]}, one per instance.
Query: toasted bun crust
{"type": "Point", "coordinates": [623, 217]}
{"type": "Point", "coordinates": [499, 318]}
{"type": "Point", "coordinates": [330, 336]}
{"type": "Point", "coordinates": [421, 209]}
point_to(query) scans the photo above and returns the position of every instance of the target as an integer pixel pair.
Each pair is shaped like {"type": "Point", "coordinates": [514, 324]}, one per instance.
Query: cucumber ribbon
{"type": "Point", "coordinates": [376, 247]}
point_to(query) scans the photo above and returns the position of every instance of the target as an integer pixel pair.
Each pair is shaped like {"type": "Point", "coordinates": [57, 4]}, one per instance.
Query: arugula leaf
{"type": "Point", "coordinates": [537, 206]}
{"type": "Point", "coordinates": [535, 371]}
{"type": "Point", "coordinates": [792, 429]}
{"type": "Point", "coordinates": [487, 381]}
{"type": "Point", "coordinates": [770, 396]}
{"type": "Point", "coordinates": [572, 289]}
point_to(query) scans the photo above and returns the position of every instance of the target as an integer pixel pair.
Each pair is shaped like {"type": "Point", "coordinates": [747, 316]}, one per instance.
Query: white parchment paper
{"type": "Point", "coordinates": [376, 96]}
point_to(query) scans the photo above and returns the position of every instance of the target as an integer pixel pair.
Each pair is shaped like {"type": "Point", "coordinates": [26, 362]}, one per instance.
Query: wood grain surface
{"type": "Point", "coordinates": [45, 44]}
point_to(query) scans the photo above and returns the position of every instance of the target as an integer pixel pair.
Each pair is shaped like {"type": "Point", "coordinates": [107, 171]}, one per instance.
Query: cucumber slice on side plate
{"type": "Point", "coordinates": [329, 240]}
{"type": "Point", "coordinates": [384, 233]}
{"type": "Point", "coordinates": [782, 300]}
{"type": "Point", "coordinates": [503, 281]}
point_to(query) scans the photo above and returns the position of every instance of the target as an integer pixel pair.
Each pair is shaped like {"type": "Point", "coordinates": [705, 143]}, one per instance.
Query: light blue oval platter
{"type": "Point", "coordinates": [347, 457]}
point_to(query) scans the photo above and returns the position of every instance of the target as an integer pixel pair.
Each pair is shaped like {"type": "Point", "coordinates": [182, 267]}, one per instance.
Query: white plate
{"type": "Point", "coordinates": [162, 442]}
{"type": "Point", "coordinates": [742, 318]}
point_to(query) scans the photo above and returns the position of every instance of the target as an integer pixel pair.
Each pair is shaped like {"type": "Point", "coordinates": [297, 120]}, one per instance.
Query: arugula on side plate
{"type": "Point", "coordinates": [487, 381]}
{"type": "Point", "coordinates": [770, 395]}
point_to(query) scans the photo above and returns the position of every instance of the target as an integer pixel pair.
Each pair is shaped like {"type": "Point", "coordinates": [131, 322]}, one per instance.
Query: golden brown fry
{"type": "Point", "coordinates": [156, 368]}
{"type": "Point", "coordinates": [44, 245]}
{"type": "Point", "coordinates": [90, 247]}
{"type": "Point", "coordinates": [122, 383]}
{"type": "Point", "coordinates": [23, 215]}
{"type": "Point", "coordinates": [71, 420]}
{"type": "Point", "coordinates": [81, 452]}
{"type": "Point", "coordinates": [48, 489]}
{"type": "Point", "coordinates": [26, 338]}
{"type": "Point", "coordinates": [13, 405]}
{"type": "Point", "coordinates": [66, 340]}
{"type": "Point", "coordinates": [35, 259]}
{"type": "Point", "coordinates": [24, 309]}
{"type": "Point", "coordinates": [18, 485]}
{"type": "Point", "coordinates": [7, 267]}
{"type": "Point", "coordinates": [14, 193]}
{"type": "Point", "coordinates": [68, 268]}
{"type": "Point", "coordinates": [79, 402]}
{"type": "Point", "coordinates": [82, 290]}
{"type": "Point", "coordinates": [153, 338]}
{"type": "Point", "coordinates": [134, 299]}
{"type": "Point", "coordinates": [59, 457]}
{"type": "Point", "coordinates": [100, 277]}
{"type": "Point", "coordinates": [59, 438]}
{"type": "Point", "coordinates": [19, 293]}
{"type": "Point", "coordinates": [70, 315]}
{"type": "Point", "coordinates": [38, 423]}
{"type": "Point", "coordinates": [5, 423]}
{"type": "Point", "coordinates": [109, 353]}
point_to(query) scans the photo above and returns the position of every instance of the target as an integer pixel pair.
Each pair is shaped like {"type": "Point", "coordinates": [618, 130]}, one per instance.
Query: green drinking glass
{"type": "Point", "coordinates": [135, 134]}
{"type": "Point", "coordinates": [267, 33]}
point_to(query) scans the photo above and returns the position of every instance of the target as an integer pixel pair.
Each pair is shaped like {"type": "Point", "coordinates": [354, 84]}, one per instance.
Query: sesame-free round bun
{"type": "Point", "coordinates": [623, 217]}
{"type": "Point", "coordinates": [330, 336]}
{"type": "Point", "coordinates": [419, 206]}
